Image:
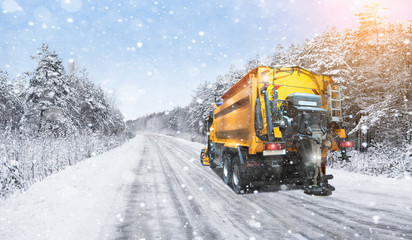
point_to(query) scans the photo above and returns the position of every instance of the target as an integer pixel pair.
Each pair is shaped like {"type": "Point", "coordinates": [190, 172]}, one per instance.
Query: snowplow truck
{"type": "Point", "coordinates": [276, 127]}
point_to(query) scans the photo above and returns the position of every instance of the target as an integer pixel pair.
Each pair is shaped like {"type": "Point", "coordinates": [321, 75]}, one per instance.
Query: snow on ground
{"type": "Point", "coordinates": [154, 186]}
{"type": "Point", "coordinates": [399, 189]}
{"type": "Point", "coordinates": [80, 202]}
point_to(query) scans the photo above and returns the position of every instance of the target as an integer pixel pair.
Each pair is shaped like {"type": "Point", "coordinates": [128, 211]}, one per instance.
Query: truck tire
{"type": "Point", "coordinates": [227, 169]}
{"type": "Point", "coordinates": [202, 153]}
{"type": "Point", "coordinates": [238, 181]}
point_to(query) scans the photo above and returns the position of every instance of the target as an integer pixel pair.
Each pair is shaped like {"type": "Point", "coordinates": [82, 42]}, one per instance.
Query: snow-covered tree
{"type": "Point", "coordinates": [253, 63]}
{"type": "Point", "coordinates": [326, 54]}
{"type": "Point", "coordinates": [207, 93]}
{"type": "Point", "coordinates": [49, 97]}
{"type": "Point", "coordinates": [200, 107]}
{"type": "Point", "coordinates": [10, 104]}
{"type": "Point", "coordinates": [279, 57]}
{"type": "Point", "coordinates": [370, 22]}
{"type": "Point", "coordinates": [93, 109]}
{"type": "Point", "coordinates": [64, 117]}
{"type": "Point", "coordinates": [382, 83]}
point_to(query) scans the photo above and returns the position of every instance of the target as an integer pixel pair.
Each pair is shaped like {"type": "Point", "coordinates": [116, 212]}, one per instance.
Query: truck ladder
{"type": "Point", "coordinates": [334, 106]}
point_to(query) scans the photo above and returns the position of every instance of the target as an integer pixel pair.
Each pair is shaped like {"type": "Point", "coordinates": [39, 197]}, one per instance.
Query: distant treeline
{"type": "Point", "coordinates": [372, 65]}
{"type": "Point", "coordinates": [51, 118]}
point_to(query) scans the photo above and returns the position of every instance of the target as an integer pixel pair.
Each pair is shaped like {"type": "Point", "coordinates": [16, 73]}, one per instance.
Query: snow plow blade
{"type": "Point", "coordinates": [204, 159]}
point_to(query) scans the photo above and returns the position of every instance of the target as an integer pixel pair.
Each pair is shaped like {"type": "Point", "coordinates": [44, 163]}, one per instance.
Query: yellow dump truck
{"type": "Point", "coordinates": [275, 127]}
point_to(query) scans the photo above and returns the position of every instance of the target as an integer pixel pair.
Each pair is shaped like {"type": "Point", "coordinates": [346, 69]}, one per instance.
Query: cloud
{"type": "Point", "coordinates": [10, 6]}
{"type": "Point", "coordinates": [71, 5]}
{"type": "Point", "coordinates": [42, 14]}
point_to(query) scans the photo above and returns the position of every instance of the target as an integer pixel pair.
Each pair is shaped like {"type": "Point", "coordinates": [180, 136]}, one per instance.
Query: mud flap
{"type": "Point", "coordinates": [318, 182]}
{"type": "Point", "coordinates": [323, 189]}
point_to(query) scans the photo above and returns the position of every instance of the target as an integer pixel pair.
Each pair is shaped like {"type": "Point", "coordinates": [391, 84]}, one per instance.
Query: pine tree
{"type": "Point", "coordinates": [200, 108]}
{"type": "Point", "coordinates": [292, 55]}
{"type": "Point", "coordinates": [370, 22]}
{"type": "Point", "coordinates": [93, 109]}
{"type": "Point", "coordinates": [49, 97]}
{"type": "Point", "coordinates": [253, 63]}
{"type": "Point", "coordinates": [10, 104]}
{"type": "Point", "coordinates": [279, 58]}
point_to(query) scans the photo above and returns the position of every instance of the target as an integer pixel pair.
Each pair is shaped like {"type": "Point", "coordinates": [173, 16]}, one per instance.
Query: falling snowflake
{"type": "Point", "coordinates": [376, 219]}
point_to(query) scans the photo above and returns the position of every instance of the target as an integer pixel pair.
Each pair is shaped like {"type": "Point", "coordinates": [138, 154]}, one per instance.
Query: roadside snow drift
{"type": "Point", "coordinates": [80, 202]}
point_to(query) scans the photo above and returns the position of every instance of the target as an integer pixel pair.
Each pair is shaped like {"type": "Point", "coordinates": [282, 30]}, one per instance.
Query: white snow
{"type": "Point", "coordinates": [88, 200]}
{"type": "Point", "coordinates": [77, 203]}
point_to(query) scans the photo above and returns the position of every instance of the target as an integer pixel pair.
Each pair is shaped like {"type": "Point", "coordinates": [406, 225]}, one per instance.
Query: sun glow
{"type": "Point", "coordinates": [342, 13]}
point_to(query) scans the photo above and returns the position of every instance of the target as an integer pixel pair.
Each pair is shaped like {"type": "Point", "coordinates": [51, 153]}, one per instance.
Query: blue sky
{"type": "Point", "coordinates": [150, 55]}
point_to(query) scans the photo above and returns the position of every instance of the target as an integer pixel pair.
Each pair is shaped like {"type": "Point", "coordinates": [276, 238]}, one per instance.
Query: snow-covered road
{"type": "Point", "coordinates": [154, 187]}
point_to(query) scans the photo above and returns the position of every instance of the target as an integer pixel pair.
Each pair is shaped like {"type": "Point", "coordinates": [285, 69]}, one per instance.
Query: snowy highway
{"type": "Point", "coordinates": [154, 187]}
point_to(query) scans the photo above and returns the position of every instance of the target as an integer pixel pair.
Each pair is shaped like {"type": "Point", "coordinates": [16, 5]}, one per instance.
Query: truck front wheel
{"type": "Point", "coordinates": [202, 155]}
{"type": "Point", "coordinates": [238, 181]}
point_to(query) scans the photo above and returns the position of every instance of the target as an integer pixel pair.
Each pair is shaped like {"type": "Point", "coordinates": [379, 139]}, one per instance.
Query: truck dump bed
{"type": "Point", "coordinates": [234, 120]}
{"type": "Point", "coordinates": [277, 126]}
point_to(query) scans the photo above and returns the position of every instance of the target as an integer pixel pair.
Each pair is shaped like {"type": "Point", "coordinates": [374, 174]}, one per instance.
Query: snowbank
{"type": "Point", "coordinates": [79, 202]}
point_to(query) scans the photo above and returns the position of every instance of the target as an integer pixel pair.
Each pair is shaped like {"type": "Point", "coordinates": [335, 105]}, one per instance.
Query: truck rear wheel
{"type": "Point", "coordinates": [238, 181]}
{"type": "Point", "coordinates": [227, 169]}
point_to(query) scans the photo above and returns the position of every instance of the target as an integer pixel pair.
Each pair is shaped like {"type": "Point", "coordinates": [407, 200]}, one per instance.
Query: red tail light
{"type": "Point", "coordinates": [274, 146]}
{"type": "Point", "coordinates": [346, 144]}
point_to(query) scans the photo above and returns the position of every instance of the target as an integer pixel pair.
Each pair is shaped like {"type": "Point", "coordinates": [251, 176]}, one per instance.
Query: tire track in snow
{"type": "Point", "coordinates": [232, 208]}
{"type": "Point", "coordinates": [356, 217]}
{"type": "Point", "coordinates": [191, 209]}
{"type": "Point", "coordinates": [126, 228]}
{"type": "Point", "coordinates": [343, 220]}
{"type": "Point", "coordinates": [200, 194]}
{"type": "Point", "coordinates": [279, 216]}
{"type": "Point", "coordinates": [153, 210]}
{"type": "Point", "coordinates": [209, 209]}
